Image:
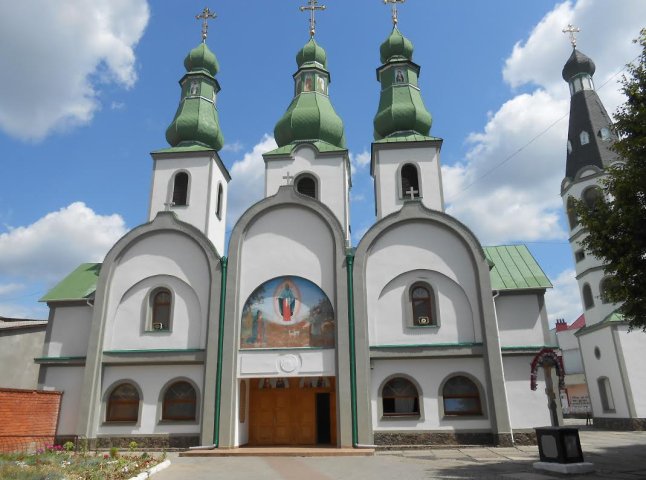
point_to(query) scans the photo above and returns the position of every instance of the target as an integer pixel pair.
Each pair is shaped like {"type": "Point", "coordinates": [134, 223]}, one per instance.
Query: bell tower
{"type": "Point", "coordinates": [189, 178]}
{"type": "Point", "coordinates": [405, 161]}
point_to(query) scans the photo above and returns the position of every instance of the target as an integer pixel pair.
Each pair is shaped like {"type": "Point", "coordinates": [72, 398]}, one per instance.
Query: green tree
{"type": "Point", "coordinates": [617, 225]}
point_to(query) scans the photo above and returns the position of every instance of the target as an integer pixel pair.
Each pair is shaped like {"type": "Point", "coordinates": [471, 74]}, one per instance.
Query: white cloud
{"type": "Point", "coordinates": [51, 247]}
{"type": "Point", "coordinates": [248, 180]}
{"type": "Point", "coordinates": [234, 147]}
{"type": "Point", "coordinates": [360, 160]}
{"type": "Point", "coordinates": [519, 200]}
{"type": "Point", "coordinates": [563, 301]}
{"type": "Point", "coordinates": [53, 56]}
{"type": "Point", "coordinates": [10, 288]}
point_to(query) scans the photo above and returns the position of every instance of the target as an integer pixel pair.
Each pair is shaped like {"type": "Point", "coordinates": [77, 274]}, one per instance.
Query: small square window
{"type": "Point", "coordinates": [579, 255]}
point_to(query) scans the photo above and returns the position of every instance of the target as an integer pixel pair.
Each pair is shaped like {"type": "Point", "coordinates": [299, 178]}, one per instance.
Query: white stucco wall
{"type": "Point", "coordinates": [429, 375]}
{"type": "Point", "coordinates": [68, 380]}
{"type": "Point", "coordinates": [200, 211]}
{"type": "Point", "coordinates": [519, 320]}
{"type": "Point", "coordinates": [421, 251]}
{"type": "Point", "coordinates": [150, 379]}
{"type": "Point", "coordinates": [70, 331]}
{"type": "Point", "coordinates": [605, 366]}
{"type": "Point", "coordinates": [163, 259]}
{"type": "Point", "coordinates": [388, 180]}
{"type": "Point", "coordinates": [527, 408]}
{"type": "Point", "coordinates": [632, 346]}
{"type": "Point", "coordinates": [286, 363]}
{"type": "Point", "coordinates": [329, 170]}
{"type": "Point", "coordinates": [287, 240]}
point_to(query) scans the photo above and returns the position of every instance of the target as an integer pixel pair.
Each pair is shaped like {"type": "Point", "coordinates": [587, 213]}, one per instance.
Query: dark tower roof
{"type": "Point", "coordinates": [576, 64]}
{"type": "Point", "coordinates": [587, 114]}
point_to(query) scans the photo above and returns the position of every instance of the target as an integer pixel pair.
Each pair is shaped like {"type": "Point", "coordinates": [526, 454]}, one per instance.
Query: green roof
{"type": "Point", "coordinates": [515, 268]}
{"type": "Point", "coordinates": [409, 137]}
{"type": "Point", "coordinates": [614, 317]}
{"type": "Point", "coordinates": [321, 146]}
{"type": "Point", "coordinates": [195, 147]}
{"type": "Point", "coordinates": [78, 285]}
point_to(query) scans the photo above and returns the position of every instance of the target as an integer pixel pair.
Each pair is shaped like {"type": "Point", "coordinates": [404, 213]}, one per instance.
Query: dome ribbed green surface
{"type": "Point", "coordinates": [201, 58]}
{"type": "Point", "coordinates": [310, 116]}
{"type": "Point", "coordinates": [396, 45]}
{"type": "Point", "coordinates": [401, 109]}
{"type": "Point", "coordinates": [196, 120]}
{"type": "Point", "coordinates": [311, 52]}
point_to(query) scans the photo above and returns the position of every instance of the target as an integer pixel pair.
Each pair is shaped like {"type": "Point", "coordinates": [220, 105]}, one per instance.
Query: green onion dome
{"type": "Point", "coordinates": [196, 120]}
{"type": "Point", "coordinates": [310, 116]}
{"type": "Point", "coordinates": [201, 58]}
{"type": "Point", "coordinates": [311, 53]}
{"type": "Point", "coordinates": [397, 46]}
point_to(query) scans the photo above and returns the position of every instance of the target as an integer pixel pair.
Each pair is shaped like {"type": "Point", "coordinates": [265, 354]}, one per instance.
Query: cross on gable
{"type": "Point", "coordinates": [412, 193]}
{"type": "Point", "coordinates": [394, 8]}
{"type": "Point", "coordinates": [204, 16]}
{"type": "Point", "coordinates": [288, 178]}
{"type": "Point", "coordinates": [312, 6]}
{"type": "Point", "coordinates": [572, 30]}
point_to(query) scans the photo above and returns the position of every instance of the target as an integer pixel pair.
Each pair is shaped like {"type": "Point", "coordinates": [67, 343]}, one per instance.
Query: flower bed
{"type": "Point", "coordinates": [56, 462]}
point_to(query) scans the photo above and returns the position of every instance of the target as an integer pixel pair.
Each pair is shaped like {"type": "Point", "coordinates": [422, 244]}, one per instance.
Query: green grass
{"type": "Point", "coordinates": [57, 464]}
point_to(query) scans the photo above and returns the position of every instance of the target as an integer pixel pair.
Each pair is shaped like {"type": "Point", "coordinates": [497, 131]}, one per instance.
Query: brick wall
{"type": "Point", "coordinates": [28, 419]}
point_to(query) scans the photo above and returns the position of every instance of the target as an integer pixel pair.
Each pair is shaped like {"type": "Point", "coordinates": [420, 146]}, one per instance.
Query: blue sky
{"type": "Point", "coordinates": [87, 89]}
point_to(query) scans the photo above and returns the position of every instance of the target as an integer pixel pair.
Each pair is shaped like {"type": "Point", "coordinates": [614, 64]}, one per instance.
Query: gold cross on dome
{"type": "Point", "coordinates": [312, 6]}
{"type": "Point", "coordinates": [204, 16]}
{"type": "Point", "coordinates": [394, 8]}
{"type": "Point", "coordinates": [572, 30]}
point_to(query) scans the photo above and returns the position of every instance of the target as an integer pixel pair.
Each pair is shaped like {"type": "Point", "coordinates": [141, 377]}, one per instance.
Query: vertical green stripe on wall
{"type": "Point", "coordinates": [218, 376]}
{"type": "Point", "coordinates": [353, 367]}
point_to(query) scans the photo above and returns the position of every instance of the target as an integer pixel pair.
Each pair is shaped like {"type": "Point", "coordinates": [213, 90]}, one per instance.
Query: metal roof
{"type": "Point", "coordinates": [78, 285]}
{"type": "Point", "coordinates": [515, 268]}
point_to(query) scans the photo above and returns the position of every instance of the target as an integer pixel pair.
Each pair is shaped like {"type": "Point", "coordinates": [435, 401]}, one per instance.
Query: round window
{"type": "Point", "coordinates": [597, 353]}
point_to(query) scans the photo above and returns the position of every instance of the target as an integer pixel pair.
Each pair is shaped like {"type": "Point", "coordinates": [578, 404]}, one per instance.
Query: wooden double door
{"type": "Point", "coordinates": [298, 414]}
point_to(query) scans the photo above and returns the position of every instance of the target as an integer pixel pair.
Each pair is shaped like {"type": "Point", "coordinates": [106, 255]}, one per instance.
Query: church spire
{"type": "Point", "coordinates": [401, 109]}
{"type": "Point", "coordinates": [196, 120]}
{"type": "Point", "coordinates": [590, 134]}
{"type": "Point", "coordinates": [310, 116]}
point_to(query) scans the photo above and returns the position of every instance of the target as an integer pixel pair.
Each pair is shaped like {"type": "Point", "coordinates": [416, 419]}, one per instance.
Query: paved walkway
{"type": "Point", "coordinates": [616, 455]}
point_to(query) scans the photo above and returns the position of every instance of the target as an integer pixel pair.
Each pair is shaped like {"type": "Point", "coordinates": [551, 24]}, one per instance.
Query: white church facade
{"type": "Point", "coordinates": [289, 335]}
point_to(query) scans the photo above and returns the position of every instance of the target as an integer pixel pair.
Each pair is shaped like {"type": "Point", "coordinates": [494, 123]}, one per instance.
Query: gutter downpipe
{"type": "Point", "coordinates": [218, 376]}
{"type": "Point", "coordinates": [495, 314]}
{"type": "Point", "coordinates": [353, 368]}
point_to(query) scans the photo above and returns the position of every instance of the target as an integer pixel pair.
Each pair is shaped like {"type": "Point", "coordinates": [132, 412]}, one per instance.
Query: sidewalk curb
{"type": "Point", "coordinates": [151, 471]}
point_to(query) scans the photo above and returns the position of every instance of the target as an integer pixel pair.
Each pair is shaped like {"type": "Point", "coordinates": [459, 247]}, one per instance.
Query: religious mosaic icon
{"type": "Point", "coordinates": [287, 312]}
{"type": "Point", "coordinates": [400, 76]}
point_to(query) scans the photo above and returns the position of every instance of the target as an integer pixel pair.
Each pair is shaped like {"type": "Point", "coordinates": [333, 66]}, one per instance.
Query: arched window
{"type": "Point", "coordinates": [588, 301]}
{"type": "Point", "coordinates": [180, 188]}
{"type": "Point", "coordinates": [584, 137]}
{"type": "Point", "coordinates": [421, 299]}
{"type": "Point", "coordinates": [603, 290]}
{"type": "Point", "coordinates": [592, 196]}
{"type": "Point", "coordinates": [180, 402]}
{"type": "Point", "coordinates": [410, 182]}
{"type": "Point", "coordinates": [573, 218]}
{"type": "Point", "coordinates": [605, 393]}
{"type": "Point", "coordinates": [604, 133]}
{"type": "Point", "coordinates": [123, 404]}
{"type": "Point", "coordinates": [460, 396]}
{"type": "Point", "coordinates": [306, 185]}
{"type": "Point", "coordinates": [218, 206]}
{"type": "Point", "coordinates": [400, 398]}
{"type": "Point", "coordinates": [161, 303]}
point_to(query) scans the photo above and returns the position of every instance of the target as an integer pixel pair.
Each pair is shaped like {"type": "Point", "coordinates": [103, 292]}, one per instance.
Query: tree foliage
{"type": "Point", "coordinates": [617, 225]}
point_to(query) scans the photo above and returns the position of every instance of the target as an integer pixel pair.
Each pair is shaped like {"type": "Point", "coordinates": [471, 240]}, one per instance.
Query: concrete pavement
{"type": "Point", "coordinates": [616, 455]}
